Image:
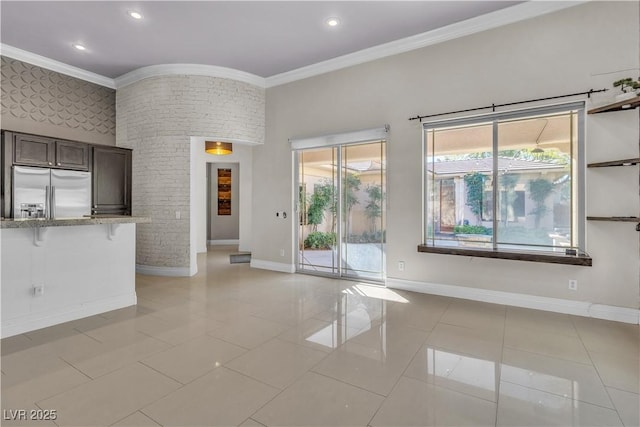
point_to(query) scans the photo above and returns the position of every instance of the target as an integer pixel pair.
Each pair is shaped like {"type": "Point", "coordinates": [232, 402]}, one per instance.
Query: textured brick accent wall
{"type": "Point", "coordinates": [40, 101]}
{"type": "Point", "coordinates": [156, 118]}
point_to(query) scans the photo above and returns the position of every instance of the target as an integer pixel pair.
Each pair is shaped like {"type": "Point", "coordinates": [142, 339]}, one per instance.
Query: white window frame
{"type": "Point", "coordinates": [578, 157]}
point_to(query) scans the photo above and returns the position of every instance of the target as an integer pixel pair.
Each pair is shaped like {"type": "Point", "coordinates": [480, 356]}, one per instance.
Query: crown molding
{"type": "Point", "coordinates": [57, 66]}
{"type": "Point", "coordinates": [188, 69]}
{"type": "Point", "coordinates": [519, 12]}
{"type": "Point", "coordinates": [133, 76]}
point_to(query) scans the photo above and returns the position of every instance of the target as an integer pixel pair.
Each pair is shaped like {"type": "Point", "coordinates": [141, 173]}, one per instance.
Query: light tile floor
{"type": "Point", "coordinates": [240, 346]}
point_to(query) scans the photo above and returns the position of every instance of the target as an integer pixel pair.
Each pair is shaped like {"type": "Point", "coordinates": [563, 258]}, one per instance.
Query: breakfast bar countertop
{"type": "Point", "coordinates": [89, 220]}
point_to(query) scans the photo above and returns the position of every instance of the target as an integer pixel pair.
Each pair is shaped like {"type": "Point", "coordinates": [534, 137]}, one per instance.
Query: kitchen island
{"type": "Point", "coordinates": [57, 270]}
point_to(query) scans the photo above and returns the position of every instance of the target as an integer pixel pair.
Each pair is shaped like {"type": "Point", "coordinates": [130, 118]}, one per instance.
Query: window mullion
{"type": "Point", "coordinates": [338, 194]}
{"type": "Point", "coordinates": [495, 185]}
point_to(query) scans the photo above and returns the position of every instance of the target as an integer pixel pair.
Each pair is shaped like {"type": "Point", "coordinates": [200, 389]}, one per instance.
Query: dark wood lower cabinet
{"type": "Point", "coordinates": [111, 181]}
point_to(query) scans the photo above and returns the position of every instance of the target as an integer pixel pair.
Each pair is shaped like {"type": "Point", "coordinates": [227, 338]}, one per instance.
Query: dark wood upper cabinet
{"type": "Point", "coordinates": [31, 150]}
{"type": "Point", "coordinates": [72, 155]}
{"type": "Point", "coordinates": [110, 168]}
{"type": "Point", "coordinates": [111, 181]}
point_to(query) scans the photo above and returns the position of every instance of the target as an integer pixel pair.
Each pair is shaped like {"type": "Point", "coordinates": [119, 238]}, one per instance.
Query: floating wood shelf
{"type": "Point", "coordinates": [614, 218]}
{"type": "Point", "coordinates": [627, 104]}
{"type": "Point", "coordinates": [625, 162]}
{"type": "Point", "coordinates": [549, 257]}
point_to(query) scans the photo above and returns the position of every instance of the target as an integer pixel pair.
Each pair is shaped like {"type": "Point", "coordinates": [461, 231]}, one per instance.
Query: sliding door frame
{"type": "Point", "coordinates": [338, 142]}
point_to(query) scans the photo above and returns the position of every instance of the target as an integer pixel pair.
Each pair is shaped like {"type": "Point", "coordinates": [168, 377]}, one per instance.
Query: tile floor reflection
{"type": "Point", "coordinates": [240, 346]}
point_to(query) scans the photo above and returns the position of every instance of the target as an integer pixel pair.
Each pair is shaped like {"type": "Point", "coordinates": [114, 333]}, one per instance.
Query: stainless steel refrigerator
{"type": "Point", "coordinates": [50, 193]}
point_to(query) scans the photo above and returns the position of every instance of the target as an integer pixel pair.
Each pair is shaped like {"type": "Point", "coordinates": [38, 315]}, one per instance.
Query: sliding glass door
{"type": "Point", "coordinates": [317, 214]}
{"type": "Point", "coordinates": [363, 210]}
{"type": "Point", "coordinates": [341, 210]}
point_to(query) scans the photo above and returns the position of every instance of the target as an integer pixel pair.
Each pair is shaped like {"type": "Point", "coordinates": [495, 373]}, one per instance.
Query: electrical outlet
{"type": "Point", "coordinates": [281, 252]}
{"type": "Point", "coordinates": [400, 265]}
{"type": "Point", "coordinates": [38, 290]}
{"type": "Point", "coordinates": [573, 284]}
{"type": "Point", "coordinates": [178, 215]}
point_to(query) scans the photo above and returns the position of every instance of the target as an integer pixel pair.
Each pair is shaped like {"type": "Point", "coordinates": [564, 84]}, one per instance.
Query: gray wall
{"type": "Point", "coordinates": [43, 102]}
{"type": "Point", "coordinates": [569, 51]}
{"type": "Point", "coordinates": [224, 227]}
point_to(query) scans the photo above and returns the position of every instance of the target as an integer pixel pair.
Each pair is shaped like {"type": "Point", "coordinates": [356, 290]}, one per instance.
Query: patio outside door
{"type": "Point", "coordinates": [317, 215]}
{"type": "Point", "coordinates": [341, 210]}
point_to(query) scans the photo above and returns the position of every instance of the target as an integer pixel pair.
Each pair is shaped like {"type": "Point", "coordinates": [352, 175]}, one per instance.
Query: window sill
{"type": "Point", "coordinates": [548, 257]}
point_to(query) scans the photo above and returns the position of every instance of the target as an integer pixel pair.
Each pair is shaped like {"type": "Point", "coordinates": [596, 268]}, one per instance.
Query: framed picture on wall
{"type": "Point", "coordinates": [224, 191]}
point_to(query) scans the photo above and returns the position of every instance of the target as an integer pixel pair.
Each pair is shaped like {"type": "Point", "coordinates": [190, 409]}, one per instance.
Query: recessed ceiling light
{"type": "Point", "coordinates": [134, 14]}
{"type": "Point", "coordinates": [332, 22]}
{"type": "Point", "coordinates": [79, 46]}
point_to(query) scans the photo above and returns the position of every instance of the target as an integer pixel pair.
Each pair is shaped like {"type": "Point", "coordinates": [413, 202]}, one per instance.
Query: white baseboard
{"type": "Point", "coordinates": [223, 242]}
{"type": "Point", "coordinates": [35, 321]}
{"type": "Point", "coordinates": [273, 266]}
{"type": "Point", "coordinates": [578, 308]}
{"type": "Point", "coordinates": [618, 314]}
{"type": "Point", "coordinates": [152, 270]}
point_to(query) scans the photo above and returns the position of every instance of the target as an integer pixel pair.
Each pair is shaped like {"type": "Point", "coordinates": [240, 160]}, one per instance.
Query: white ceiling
{"type": "Point", "coordinates": [264, 38]}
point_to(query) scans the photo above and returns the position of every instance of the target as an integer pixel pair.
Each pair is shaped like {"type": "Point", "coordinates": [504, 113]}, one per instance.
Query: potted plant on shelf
{"type": "Point", "coordinates": [628, 86]}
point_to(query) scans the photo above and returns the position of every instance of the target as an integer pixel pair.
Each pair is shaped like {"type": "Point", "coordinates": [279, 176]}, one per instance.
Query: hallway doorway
{"type": "Point", "coordinates": [223, 206]}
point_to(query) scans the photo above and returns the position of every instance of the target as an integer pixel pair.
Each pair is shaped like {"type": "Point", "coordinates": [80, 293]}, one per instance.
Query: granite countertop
{"type": "Point", "coordinates": [89, 220]}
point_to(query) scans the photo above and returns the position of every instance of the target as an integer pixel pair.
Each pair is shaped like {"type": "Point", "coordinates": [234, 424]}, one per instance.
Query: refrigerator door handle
{"type": "Point", "coordinates": [53, 202]}
{"type": "Point", "coordinates": [47, 203]}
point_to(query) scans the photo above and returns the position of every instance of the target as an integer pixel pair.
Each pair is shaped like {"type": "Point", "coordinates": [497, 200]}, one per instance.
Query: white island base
{"type": "Point", "coordinates": [54, 274]}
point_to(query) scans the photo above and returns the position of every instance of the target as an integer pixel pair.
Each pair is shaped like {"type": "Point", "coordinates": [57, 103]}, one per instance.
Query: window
{"type": "Point", "coordinates": [505, 181]}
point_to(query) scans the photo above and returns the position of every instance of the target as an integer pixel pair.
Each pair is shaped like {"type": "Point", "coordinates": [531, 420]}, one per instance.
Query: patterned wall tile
{"type": "Point", "coordinates": [43, 96]}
